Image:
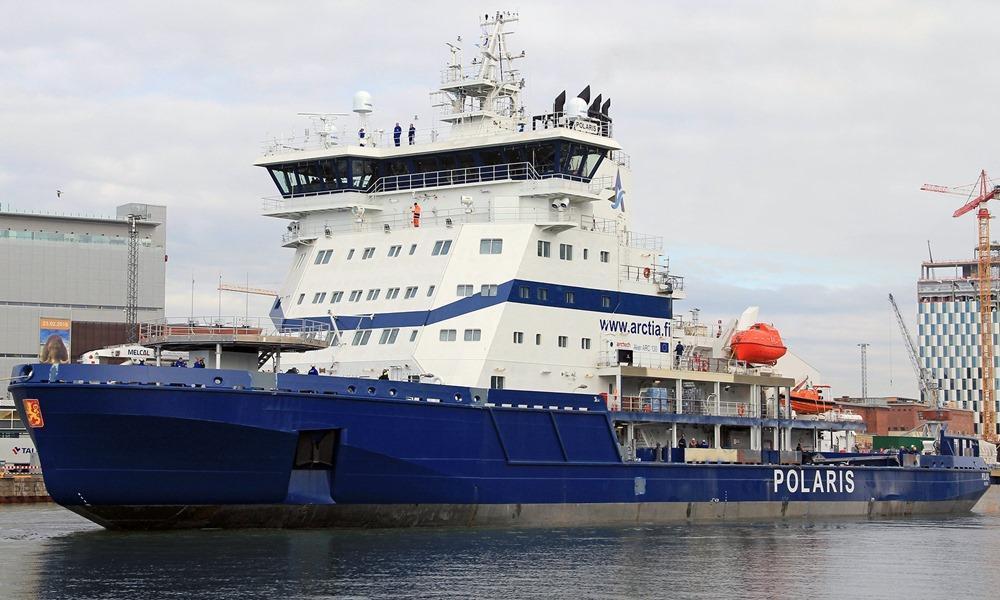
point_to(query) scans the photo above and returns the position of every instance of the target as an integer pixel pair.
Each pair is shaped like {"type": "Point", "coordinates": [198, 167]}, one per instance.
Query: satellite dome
{"type": "Point", "coordinates": [363, 102]}
{"type": "Point", "coordinates": [576, 108]}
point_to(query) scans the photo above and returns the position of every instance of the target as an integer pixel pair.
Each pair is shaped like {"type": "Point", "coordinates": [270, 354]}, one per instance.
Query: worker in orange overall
{"type": "Point", "coordinates": [416, 214]}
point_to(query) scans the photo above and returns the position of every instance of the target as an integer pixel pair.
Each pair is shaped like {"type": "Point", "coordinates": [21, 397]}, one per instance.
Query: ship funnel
{"type": "Point", "coordinates": [595, 108]}
{"type": "Point", "coordinates": [606, 107]}
{"type": "Point", "coordinates": [585, 94]}
{"type": "Point", "coordinates": [560, 102]}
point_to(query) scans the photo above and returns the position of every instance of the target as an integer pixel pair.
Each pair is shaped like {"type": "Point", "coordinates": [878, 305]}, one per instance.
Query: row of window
{"type": "Point", "coordinates": [373, 294]}
{"type": "Point", "coordinates": [562, 341]}
{"type": "Point", "coordinates": [566, 252]}
{"type": "Point", "coordinates": [388, 336]}
{"type": "Point", "coordinates": [441, 248]}
{"type": "Point", "coordinates": [462, 290]}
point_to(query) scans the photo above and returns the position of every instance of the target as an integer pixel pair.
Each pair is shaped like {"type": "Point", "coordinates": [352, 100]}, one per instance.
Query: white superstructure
{"type": "Point", "coordinates": [523, 271]}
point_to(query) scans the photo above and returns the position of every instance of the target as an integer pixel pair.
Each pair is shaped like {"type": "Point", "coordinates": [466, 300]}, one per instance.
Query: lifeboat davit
{"type": "Point", "coordinates": [760, 344]}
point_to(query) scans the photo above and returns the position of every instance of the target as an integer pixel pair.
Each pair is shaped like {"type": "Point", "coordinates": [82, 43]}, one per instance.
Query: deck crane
{"type": "Point", "coordinates": [986, 192]}
{"type": "Point", "coordinates": [929, 391]}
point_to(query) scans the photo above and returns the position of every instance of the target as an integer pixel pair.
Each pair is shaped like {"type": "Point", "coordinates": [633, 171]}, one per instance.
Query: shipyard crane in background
{"type": "Point", "coordinates": [929, 390]}
{"type": "Point", "coordinates": [986, 192]}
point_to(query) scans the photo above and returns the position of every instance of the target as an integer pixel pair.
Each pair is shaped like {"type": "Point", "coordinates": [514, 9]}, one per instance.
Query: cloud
{"type": "Point", "coordinates": [777, 146]}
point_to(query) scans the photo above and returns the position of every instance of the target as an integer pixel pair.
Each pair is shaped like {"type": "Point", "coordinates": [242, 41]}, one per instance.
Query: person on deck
{"type": "Point", "coordinates": [412, 134]}
{"type": "Point", "coordinates": [682, 443]}
{"type": "Point", "coordinates": [798, 447]}
{"type": "Point", "coordinates": [199, 363]}
{"type": "Point", "coordinates": [313, 370]}
{"type": "Point", "coordinates": [703, 444]}
{"type": "Point", "coordinates": [385, 374]}
{"type": "Point", "coordinates": [416, 214]}
{"type": "Point", "coordinates": [361, 136]}
{"type": "Point", "coordinates": [679, 351]}
{"type": "Point", "coordinates": [397, 132]}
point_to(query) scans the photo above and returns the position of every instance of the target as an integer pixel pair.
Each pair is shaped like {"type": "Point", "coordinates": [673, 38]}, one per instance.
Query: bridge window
{"type": "Point", "coordinates": [373, 294]}
{"type": "Point", "coordinates": [301, 298]}
{"type": "Point", "coordinates": [350, 254]}
{"type": "Point", "coordinates": [413, 248]}
{"type": "Point", "coordinates": [585, 343]}
{"type": "Point", "coordinates": [355, 295]}
{"type": "Point", "coordinates": [336, 297]}
{"type": "Point", "coordinates": [488, 290]}
{"type": "Point", "coordinates": [563, 341]}
{"type": "Point", "coordinates": [319, 297]}
{"type": "Point", "coordinates": [490, 246]}
{"type": "Point", "coordinates": [369, 252]}
{"type": "Point", "coordinates": [448, 335]}
{"type": "Point", "coordinates": [394, 251]}
{"type": "Point", "coordinates": [473, 335]}
{"type": "Point", "coordinates": [413, 335]}
{"type": "Point", "coordinates": [605, 256]}
{"type": "Point", "coordinates": [410, 292]}
{"type": "Point", "coordinates": [565, 252]}
{"type": "Point", "coordinates": [518, 337]}
{"type": "Point", "coordinates": [391, 293]}
{"type": "Point", "coordinates": [323, 257]}
{"type": "Point", "coordinates": [430, 291]}
{"type": "Point", "coordinates": [463, 290]}
{"type": "Point", "coordinates": [544, 248]}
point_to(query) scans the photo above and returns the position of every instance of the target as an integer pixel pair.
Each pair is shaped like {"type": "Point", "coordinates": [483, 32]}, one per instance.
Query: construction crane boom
{"type": "Point", "coordinates": [987, 192]}
{"type": "Point", "coordinates": [928, 387]}
{"type": "Point", "coordinates": [230, 287]}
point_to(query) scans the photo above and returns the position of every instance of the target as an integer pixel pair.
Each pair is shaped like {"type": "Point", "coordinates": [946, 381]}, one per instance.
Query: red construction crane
{"type": "Point", "coordinates": [986, 192]}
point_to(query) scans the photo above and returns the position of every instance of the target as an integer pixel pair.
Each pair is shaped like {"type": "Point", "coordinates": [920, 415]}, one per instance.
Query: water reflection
{"type": "Point", "coordinates": [919, 558]}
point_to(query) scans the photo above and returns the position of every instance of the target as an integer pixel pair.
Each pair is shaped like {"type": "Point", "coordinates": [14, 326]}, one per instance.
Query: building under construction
{"type": "Point", "coordinates": [73, 271]}
{"type": "Point", "coordinates": [948, 331]}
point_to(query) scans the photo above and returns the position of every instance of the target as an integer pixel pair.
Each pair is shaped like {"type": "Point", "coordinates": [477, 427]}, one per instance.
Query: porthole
{"type": "Point", "coordinates": [392, 391]}
{"type": "Point", "coordinates": [458, 397]}
{"type": "Point", "coordinates": [351, 389]}
{"type": "Point", "coordinates": [218, 381]}
{"type": "Point", "coordinates": [371, 391]}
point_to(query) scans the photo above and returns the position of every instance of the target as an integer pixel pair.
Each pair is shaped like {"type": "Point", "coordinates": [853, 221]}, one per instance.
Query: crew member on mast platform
{"type": "Point", "coordinates": [397, 132]}
{"type": "Point", "coordinates": [361, 136]}
{"type": "Point", "coordinates": [416, 214]}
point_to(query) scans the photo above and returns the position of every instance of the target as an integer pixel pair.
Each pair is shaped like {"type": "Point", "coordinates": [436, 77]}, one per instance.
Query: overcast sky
{"type": "Point", "coordinates": [777, 146]}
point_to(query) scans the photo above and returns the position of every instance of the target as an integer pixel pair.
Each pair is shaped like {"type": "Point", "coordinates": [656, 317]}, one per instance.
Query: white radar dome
{"type": "Point", "coordinates": [363, 102]}
{"type": "Point", "coordinates": [576, 108]}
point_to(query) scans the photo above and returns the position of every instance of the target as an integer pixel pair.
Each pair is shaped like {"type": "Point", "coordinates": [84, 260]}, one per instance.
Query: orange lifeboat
{"type": "Point", "coordinates": [760, 344]}
{"type": "Point", "coordinates": [809, 401]}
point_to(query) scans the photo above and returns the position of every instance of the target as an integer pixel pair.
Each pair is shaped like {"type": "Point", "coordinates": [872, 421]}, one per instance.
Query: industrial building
{"type": "Point", "coordinates": [71, 272]}
{"type": "Point", "coordinates": [948, 329]}
{"type": "Point", "coordinates": [894, 415]}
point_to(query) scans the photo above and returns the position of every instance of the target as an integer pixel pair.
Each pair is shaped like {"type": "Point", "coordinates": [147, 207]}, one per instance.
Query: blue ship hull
{"type": "Point", "coordinates": [147, 447]}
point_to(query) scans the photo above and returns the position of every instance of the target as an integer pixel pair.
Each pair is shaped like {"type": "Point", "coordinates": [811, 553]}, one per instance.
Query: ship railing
{"type": "Point", "coordinates": [463, 176]}
{"type": "Point", "coordinates": [447, 218]}
{"type": "Point", "coordinates": [642, 241]}
{"type": "Point", "coordinates": [548, 183]}
{"type": "Point", "coordinates": [585, 124]}
{"type": "Point", "coordinates": [669, 361]}
{"type": "Point", "coordinates": [179, 329]}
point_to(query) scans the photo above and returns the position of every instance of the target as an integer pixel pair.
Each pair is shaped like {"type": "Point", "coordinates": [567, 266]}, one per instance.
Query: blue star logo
{"type": "Point", "coordinates": [619, 198]}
